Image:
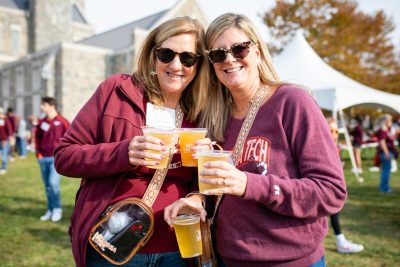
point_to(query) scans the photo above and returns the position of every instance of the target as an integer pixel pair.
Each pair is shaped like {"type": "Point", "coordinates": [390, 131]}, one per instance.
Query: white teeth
{"type": "Point", "coordinates": [233, 69]}
{"type": "Point", "coordinates": [174, 75]}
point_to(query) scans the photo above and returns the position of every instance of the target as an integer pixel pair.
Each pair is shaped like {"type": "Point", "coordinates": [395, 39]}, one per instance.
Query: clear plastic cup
{"type": "Point", "coordinates": [207, 156]}
{"type": "Point", "coordinates": [187, 137]}
{"type": "Point", "coordinates": [168, 136]}
{"type": "Point", "coordinates": [188, 235]}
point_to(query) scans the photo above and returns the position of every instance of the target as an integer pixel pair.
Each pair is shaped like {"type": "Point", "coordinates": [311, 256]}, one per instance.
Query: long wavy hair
{"type": "Point", "coordinates": [219, 107]}
{"type": "Point", "coordinates": [193, 98]}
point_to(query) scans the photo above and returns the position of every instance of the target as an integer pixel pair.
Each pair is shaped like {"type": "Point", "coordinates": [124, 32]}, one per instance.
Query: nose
{"type": "Point", "coordinates": [176, 63]}
{"type": "Point", "coordinates": [229, 57]}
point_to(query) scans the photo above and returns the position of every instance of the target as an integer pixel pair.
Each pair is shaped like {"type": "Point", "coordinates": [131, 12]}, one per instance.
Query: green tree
{"type": "Point", "coordinates": [353, 42]}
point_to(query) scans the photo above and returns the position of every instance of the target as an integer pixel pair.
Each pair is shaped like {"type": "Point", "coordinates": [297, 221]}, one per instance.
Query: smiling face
{"type": "Point", "coordinates": [174, 77]}
{"type": "Point", "coordinates": [237, 74]}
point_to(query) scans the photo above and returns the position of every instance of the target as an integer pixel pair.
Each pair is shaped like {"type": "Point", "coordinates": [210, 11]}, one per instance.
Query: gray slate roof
{"type": "Point", "coordinates": [16, 4]}
{"type": "Point", "coordinates": [77, 15]}
{"type": "Point", "coordinates": [121, 37]}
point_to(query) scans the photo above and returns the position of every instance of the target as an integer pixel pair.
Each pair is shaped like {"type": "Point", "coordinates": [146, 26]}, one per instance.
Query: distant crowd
{"type": "Point", "coordinates": [16, 136]}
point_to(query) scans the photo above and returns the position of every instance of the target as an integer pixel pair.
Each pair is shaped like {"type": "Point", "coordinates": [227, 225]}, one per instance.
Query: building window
{"type": "Point", "coordinates": [15, 40]}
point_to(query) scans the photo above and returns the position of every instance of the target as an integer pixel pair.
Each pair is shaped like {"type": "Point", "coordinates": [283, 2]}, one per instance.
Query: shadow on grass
{"type": "Point", "coordinates": [51, 236]}
{"type": "Point", "coordinates": [22, 215]}
{"type": "Point", "coordinates": [29, 207]}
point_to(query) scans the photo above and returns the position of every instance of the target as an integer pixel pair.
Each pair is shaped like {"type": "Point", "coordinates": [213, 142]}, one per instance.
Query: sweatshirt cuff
{"type": "Point", "coordinates": [124, 160]}
{"type": "Point", "coordinates": [258, 187]}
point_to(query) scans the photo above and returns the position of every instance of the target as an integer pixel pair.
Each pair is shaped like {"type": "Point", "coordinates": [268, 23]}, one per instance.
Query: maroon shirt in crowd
{"type": "Point", "coordinates": [48, 134]}
{"type": "Point", "coordinates": [389, 140]}
{"type": "Point", "coordinates": [5, 129]}
{"type": "Point", "coordinates": [357, 134]}
{"type": "Point", "coordinates": [295, 180]}
{"type": "Point", "coordinates": [13, 123]}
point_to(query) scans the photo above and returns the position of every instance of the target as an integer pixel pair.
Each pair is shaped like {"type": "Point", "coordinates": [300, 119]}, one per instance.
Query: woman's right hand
{"type": "Point", "coordinates": [146, 151]}
{"type": "Point", "coordinates": [189, 205]}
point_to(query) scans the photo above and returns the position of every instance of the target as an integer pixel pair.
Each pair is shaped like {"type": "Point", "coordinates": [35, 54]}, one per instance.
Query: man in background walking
{"type": "Point", "coordinates": [49, 131]}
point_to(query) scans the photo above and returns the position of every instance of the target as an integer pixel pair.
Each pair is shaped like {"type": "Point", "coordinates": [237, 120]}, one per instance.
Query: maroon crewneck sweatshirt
{"type": "Point", "coordinates": [295, 180]}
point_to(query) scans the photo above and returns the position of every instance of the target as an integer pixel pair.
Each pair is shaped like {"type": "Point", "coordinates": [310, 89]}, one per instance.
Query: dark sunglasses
{"type": "Point", "coordinates": [166, 55]}
{"type": "Point", "coordinates": [238, 51]}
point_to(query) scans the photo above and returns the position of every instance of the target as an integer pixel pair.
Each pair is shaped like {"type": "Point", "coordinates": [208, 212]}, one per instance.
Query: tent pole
{"type": "Point", "coordinates": [349, 146]}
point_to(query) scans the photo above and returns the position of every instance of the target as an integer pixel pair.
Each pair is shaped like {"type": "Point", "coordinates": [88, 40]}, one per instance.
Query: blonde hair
{"type": "Point", "coordinates": [380, 122]}
{"type": "Point", "coordinates": [194, 96]}
{"type": "Point", "coordinates": [220, 100]}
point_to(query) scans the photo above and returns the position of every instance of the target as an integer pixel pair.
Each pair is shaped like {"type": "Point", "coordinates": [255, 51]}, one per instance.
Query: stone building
{"type": "Point", "coordinates": [56, 54]}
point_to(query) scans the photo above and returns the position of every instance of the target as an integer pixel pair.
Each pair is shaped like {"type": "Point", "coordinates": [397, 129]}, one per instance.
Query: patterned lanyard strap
{"type": "Point", "coordinates": [262, 95]}
{"type": "Point", "coordinates": [158, 178]}
{"type": "Point", "coordinates": [258, 99]}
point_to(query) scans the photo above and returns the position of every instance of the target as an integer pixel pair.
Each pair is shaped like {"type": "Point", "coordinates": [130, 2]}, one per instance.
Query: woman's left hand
{"type": "Point", "coordinates": [188, 205]}
{"type": "Point", "coordinates": [234, 181]}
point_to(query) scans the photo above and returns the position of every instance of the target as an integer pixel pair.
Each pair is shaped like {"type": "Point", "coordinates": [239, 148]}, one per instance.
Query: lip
{"type": "Point", "coordinates": [174, 76]}
{"type": "Point", "coordinates": [233, 69]}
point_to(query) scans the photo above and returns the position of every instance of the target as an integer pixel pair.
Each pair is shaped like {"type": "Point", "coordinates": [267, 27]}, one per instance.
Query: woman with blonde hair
{"type": "Point", "coordinates": [106, 146]}
{"type": "Point", "coordinates": [288, 177]}
{"type": "Point", "coordinates": [343, 245]}
{"type": "Point", "coordinates": [386, 150]}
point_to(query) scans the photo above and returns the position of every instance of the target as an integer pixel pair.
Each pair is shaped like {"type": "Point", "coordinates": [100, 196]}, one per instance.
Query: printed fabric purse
{"type": "Point", "coordinates": [126, 226]}
{"type": "Point", "coordinates": [208, 258]}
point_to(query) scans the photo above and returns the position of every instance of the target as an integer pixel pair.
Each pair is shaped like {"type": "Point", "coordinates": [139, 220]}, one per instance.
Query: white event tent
{"type": "Point", "coordinates": [298, 63]}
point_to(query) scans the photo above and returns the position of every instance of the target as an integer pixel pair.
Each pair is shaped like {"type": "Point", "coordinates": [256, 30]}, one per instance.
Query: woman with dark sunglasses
{"type": "Point", "coordinates": [288, 178]}
{"type": "Point", "coordinates": [105, 143]}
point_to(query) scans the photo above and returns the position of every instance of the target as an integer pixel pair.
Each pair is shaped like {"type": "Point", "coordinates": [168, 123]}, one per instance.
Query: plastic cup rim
{"type": "Point", "coordinates": [186, 219]}
{"type": "Point", "coordinates": [213, 153]}
{"type": "Point", "coordinates": [192, 130]}
{"type": "Point", "coordinates": [157, 129]}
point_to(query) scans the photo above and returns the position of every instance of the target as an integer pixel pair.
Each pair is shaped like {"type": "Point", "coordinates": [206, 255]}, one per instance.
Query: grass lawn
{"type": "Point", "coordinates": [369, 218]}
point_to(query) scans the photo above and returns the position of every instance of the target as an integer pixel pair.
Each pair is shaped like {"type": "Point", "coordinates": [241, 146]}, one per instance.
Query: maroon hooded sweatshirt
{"type": "Point", "coordinates": [95, 148]}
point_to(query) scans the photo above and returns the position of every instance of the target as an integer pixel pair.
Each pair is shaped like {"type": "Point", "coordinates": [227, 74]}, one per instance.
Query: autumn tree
{"type": "Point", "coordinates": [355, 43]}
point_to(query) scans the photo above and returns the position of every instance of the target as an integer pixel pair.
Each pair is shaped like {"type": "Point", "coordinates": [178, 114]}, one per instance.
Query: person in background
{"type": "Point", "coordinates": [358, 133]}
{"type": "Point", "coordinates": [5, 133]}
{"type": "Point", "coordinates": [398, 132]}
{"type": "Point", "coordinates": [21, 136]}
{"type": "Point", "coordinates": [13, 123]}
{"type": "Point", "coordinates": [32, 127]}
{"type": "Point", "coordinates": [49, 131]}
{"type": "Point", "coordinates": [343, 245]}
{"type": "Point", "coordinates": [289, 177]}
{"type": "Point", "coordinates": [386, 150]}
{"type": "Point", "coordinates": [106, 146]}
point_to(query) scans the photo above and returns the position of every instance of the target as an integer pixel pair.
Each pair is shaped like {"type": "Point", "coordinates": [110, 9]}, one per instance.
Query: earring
{"type": "Point", "coordinates": [152, 73]}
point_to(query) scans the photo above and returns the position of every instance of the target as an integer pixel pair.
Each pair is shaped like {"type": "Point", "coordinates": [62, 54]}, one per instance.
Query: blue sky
{"type": "Point", "coordinates": [106, 14]}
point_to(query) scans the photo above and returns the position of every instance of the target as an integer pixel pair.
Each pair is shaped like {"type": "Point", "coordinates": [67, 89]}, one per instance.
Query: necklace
{"type": "Point", "coordinates": [239, 110]}
{"type": "Point", "coordinates": [258, 96]}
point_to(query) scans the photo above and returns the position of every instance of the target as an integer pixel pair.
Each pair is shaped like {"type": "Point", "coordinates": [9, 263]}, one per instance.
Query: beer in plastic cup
{"type": "Point", "coordinates": [167, 135]}
{"type": "Point", "coordinates": [188, 235]}
{"type": "Point", "coordinates": [187, 137]}
{"type": "Point", "coordinates": [207, 156]}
